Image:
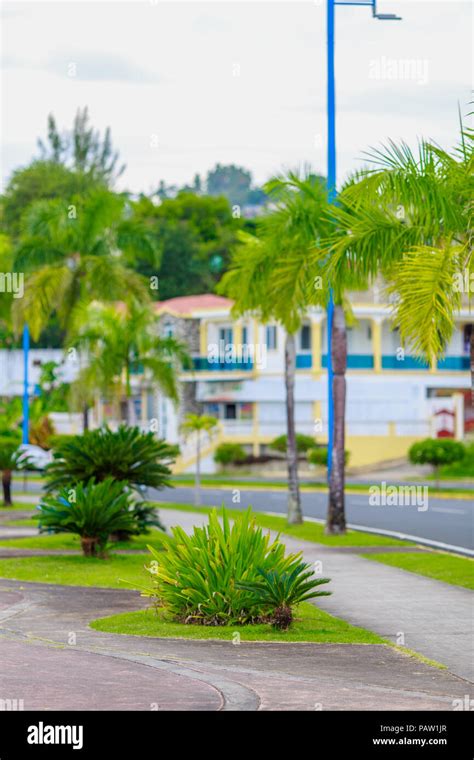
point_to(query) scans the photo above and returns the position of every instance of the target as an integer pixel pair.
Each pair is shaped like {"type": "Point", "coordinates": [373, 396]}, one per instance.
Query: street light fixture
{"type": "Point", "coordinates": [331, 176]}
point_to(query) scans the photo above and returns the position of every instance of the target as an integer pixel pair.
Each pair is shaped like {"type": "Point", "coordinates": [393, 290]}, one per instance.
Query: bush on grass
{"type": "Point", "coordinates": [319, 456]}
{"type": "Point", "coordinates": [437, 452]}
{"type": "Point", "coordinates": [303, 443]}
{"type": "Point", "coordinates": [9, 461]}
{"type": "Point", "coordinates": [229, 453]}
{"type": "Point", "coordinates": [463, 468]}
{"type": "Point", "coordinates": [279, 593]}
{"type": "Point", "coordinates": [92, 511]}
{"type": "Point", "coordinates": [127, 455]}
{"type": "Point", "coordinates": [215, 575]}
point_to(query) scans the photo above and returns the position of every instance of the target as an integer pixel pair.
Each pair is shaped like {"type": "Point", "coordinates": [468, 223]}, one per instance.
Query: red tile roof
{"type": "Point", "coordinates": [188, 304]}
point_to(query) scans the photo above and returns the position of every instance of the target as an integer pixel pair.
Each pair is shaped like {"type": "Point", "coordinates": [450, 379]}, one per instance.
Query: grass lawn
{"type": "Point", "coordinates": [79, 571]}
{"type": "Point", "coordinates": [311, 624]}
{"type": "Point", "coordinates": [70, 541]}
{"type": "Point", "coordinates": [309, 531]}
{"type": "Point", "coordinates": [449, 568]}
{"type": "Point", "coordinates": [24, 505]}
{"type": "Point", "coordinates": [228, 481]}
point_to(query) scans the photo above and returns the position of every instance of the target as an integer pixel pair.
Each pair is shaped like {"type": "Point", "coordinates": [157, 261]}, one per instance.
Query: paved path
{"type": "Point", "coordinates": [446, 520]}
{"type": "Point", "coordinates": [51, 659]}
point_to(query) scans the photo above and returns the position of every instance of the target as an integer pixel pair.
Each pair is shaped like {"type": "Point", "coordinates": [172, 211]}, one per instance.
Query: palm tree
{"type": "Point", "coordinates": [121, 341]}
{"type": "Point", "coordinates": [269, 276]}
{"type": "Point", "coordinates": [74, 252]}
{"type": "Point", "coordinates": [197, 424]}
{"type": "Point", "coordinates": [409, 218]}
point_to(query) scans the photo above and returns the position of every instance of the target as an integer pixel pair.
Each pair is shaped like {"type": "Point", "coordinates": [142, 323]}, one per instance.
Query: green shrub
{"type": "Point", "coordinates": [319, 456]}
{"type": "Point", "coordinates": [57, 439]}
{"type": "Point", "coordinates": [198, 578]}
{"type": "Point", "coordinates": [146, 516]}
{"type": "Point", "coordinates": [463, 468]}
{"type": "Point", "coordinates": [303, 443]}
{"type": "Point", "coordinates": [436, 452]}
{"type": "Point", "coordinates": [278, 593]}
{"type": "Point", "coordinates": [229, 453]}
{"type": "Point", "coordinates": [92, 511]}
{"type": "Point", "coordinates": [128, 455]}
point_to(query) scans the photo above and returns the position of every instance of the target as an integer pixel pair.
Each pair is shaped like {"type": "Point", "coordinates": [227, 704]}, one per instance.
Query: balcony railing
{"type": "Point", "coordinates": [354, 361]}
{"type": "Point", "coordinates": [459, 363]}
{"type": "Point", "coordinates": [203, 364]}
{"type": "Point", "coordinates": [409, 362]}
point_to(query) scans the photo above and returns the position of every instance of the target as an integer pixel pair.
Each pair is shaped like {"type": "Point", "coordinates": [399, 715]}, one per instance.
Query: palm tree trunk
{"type": "Point", "coordinates": [131, 420]}
{"type": "Point", "coordinates": [130, 407]}
{"type": "Point", "coordinates": [6, 485]}
{"type": "Point", "coordinates": [295, 515]}
{"type": "Point", "coordinates": [336, 520]}
{"type": "Point", "coordinates": [85, 418]}
{"type": "Point", "coordinates": [197, 480]}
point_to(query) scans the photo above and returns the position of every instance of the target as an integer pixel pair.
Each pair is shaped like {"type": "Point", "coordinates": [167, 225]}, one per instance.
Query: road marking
{"type": "Point", "coordinates": [448, 511]}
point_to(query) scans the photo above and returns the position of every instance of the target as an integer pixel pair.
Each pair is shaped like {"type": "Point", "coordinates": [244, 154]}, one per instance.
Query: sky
{"type": "Point", "coordinates": [184, 85]}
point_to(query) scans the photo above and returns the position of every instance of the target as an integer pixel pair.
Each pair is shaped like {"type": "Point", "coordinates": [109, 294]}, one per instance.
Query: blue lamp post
{"type": "Point", "coordinates": [331, 176]}
{"type": "Point", "coordinates": [26, 406]}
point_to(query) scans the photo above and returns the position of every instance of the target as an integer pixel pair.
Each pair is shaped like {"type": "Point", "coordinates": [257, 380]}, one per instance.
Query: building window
{"type": "Point", "coordinates": [225, 335]}
{"type": "Point", "coordinates": [467, 330]}
{"type": "Point", "coordinates": [230, 411]}
{"type": "Point", "coordinates": [245, 335]}
{"type": "Point", "coordinates": [271, 337]}
{"type": "Point", "coordinates": [168, 330]}
{"type": "Point", "coordinates": [305, 338]}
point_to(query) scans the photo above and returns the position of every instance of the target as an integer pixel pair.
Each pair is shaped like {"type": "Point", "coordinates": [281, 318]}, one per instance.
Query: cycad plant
{"type": "Point", "coordinates": [198, 578]}
{"type": "Point", "coordinates": [214, 576]}
{"type": "Point", "coordinates": [278, 593]}
{"type": "Point", "coordinates": [92, 511]}
{"type": "Point", "coordinates": [9, 461]}
{"type": "Point", "coordinates": [127, 455]}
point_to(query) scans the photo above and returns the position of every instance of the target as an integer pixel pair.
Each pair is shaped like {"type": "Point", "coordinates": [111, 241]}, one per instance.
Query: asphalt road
{"type": "Point", "coordinates": [448, 521]}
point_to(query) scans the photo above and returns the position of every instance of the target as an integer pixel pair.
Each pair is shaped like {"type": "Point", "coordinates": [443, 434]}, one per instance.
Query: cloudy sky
{"type": "Point", "coordinates": [184, 85]}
